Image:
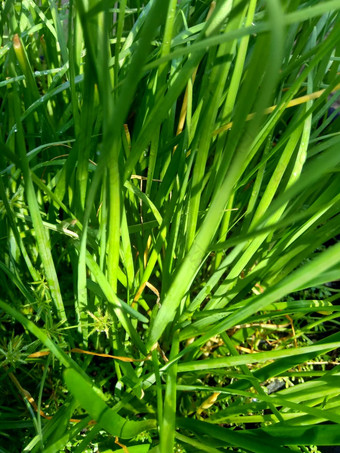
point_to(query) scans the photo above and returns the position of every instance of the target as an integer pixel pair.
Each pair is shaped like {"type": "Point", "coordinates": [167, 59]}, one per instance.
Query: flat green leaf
{"type": "Point", "coordinates": [89, 398]}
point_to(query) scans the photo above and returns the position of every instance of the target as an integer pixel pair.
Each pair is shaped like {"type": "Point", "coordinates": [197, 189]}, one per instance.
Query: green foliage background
{"type": "Point", "coordinates": [169, 205]}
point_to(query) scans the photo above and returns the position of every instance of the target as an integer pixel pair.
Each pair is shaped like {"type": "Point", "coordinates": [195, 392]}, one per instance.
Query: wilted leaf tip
{"type": "Point", "coordinates": [16, 41]}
